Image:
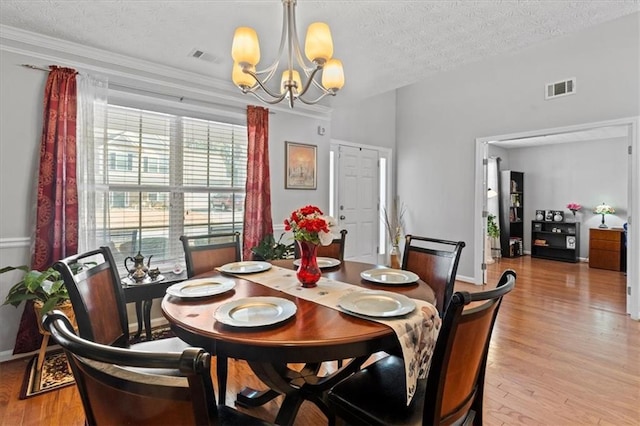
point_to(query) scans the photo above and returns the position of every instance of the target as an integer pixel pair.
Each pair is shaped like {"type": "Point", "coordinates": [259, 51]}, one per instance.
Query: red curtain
{"type": "Point", "coordinates": [257, 210]}
{"type": "Point", "coordinates": [56, 233]}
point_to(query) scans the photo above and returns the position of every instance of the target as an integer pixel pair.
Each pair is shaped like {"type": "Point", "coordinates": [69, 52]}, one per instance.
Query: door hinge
{"type": "Point", "coordinates": [628, 291]}
{"type": "Point", "coordinates": [485, 161]}
{"type": "Point", "coordinates": [483, 266]}
{"type": "Point", "coordinates": [630, 149]}
{"type": "Point", "coordinates": [485, 213]}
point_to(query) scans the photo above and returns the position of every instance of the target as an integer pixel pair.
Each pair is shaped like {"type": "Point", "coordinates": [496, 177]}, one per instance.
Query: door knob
{"type": "Point", "coordinates": [342, 217]}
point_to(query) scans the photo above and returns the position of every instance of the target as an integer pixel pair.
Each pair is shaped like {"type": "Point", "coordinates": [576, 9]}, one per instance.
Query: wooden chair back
{"type": "Point", "coordinates": [334, 250]}
{"type": "Point", "coordinates": [456, 377]}
{"type": "Point", "coordinates": [436, 263]}
{"type": "Point", "coordinates": [115, 394]}
{"type": "Point", "coordinates": [97, 297]}
{"type": "Point", "coordinates": [203, 253]}
{"type": "Point", "coordinates": [452, 393]}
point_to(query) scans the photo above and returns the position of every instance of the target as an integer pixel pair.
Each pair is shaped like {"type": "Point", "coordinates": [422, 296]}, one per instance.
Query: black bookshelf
{"type": "Point", "coordinates": [555, 240]}
{"type": "Point", "coordinates": [511, 193]}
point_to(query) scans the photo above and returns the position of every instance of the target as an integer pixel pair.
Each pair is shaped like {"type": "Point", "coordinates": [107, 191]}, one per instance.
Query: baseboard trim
{"type": "Point", "coordinates": [465, 279]}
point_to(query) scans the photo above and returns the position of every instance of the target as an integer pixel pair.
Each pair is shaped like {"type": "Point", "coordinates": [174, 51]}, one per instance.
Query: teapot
{"type": "Point", "coordinates": [139, 271]}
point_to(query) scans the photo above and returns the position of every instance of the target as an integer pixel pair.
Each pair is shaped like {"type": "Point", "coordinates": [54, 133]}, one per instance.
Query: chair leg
{"type": "Point", "coordinates": [222, 372]}
{"type": "Point", "coordinates": [43, 352]}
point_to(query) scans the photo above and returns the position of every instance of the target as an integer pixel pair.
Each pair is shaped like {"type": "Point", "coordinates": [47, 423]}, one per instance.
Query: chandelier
{"type": "Point", "coordinates": [318, 49]}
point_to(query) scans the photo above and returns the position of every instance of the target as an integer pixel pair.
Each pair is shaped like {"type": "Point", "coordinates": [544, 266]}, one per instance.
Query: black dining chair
{"type": "Point", "coordinates": [99, 304]}
{"type": "Point", "coordinates": [453, 391]}
{"type": "Point", "coordinates": [120, 386]}
{"type": "Point", "coordinates": [435, 261]}
{"type": "Point", "coordinates": [203, 253]}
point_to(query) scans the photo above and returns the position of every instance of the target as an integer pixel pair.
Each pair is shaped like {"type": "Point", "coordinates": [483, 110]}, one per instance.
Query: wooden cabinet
{"type": "Point", "coordinates": [511, 192]}
{"type": "Point", "coordinates": [555, 240]}
{"type": "Point", "coordinates": [607, 249]}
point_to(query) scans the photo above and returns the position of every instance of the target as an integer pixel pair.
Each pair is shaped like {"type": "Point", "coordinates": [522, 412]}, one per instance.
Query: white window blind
{"type": "Point", "coordinates": [164, 176]}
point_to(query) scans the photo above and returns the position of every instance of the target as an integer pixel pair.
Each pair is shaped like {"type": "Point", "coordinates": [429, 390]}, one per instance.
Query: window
{"type": "Point", "coordinates": [165, 176]}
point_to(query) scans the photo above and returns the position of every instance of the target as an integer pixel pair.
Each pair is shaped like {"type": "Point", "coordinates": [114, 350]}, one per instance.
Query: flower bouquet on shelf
{"type": "Point", "coordinates": [603, 210]}
{"type": "Point", "coordinates": [310, 228]}
{"type": "Point", "coordinates": [574, 207]}
{"type": "Point", "coordinates": [394, 222]}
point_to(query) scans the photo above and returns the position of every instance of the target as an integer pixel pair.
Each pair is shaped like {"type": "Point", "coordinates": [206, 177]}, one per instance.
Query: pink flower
{"type": "Point", "coordinates": [574, 207]}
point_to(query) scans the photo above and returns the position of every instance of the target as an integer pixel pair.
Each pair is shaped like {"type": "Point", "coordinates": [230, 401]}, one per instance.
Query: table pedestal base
{"type": "Point", "coordinates": [296, 386]}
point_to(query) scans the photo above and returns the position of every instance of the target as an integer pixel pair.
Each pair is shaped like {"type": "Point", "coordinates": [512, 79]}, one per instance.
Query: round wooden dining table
{"type": "Point", "coordinates": [315, 334]}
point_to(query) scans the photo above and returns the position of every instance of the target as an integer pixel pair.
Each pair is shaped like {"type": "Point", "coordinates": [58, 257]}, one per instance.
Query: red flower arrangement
{"type": "Point", "coordinates": [309, 224]}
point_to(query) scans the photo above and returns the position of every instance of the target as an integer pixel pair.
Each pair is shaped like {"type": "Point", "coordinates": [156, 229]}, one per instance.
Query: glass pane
{"type": "Point", "coordinates": [148, 161]}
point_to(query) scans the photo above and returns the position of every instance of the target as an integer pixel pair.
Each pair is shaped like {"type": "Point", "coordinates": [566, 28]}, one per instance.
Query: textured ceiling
{"type": "Point", "coordinates": [383, 44]}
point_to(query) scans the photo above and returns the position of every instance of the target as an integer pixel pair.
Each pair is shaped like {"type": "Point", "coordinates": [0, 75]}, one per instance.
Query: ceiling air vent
{"type": "Point", "coordinates": [199, 54]}
{"type": "Point", "coordinates": [560, 88]}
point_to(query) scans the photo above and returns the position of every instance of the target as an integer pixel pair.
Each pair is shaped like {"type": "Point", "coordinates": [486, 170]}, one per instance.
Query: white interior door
{"type": "Point", "coordinates": [357, 207]}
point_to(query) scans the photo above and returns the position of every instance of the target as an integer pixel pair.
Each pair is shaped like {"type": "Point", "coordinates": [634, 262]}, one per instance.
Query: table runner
{"type": "Point", "coordinates": [416, 332]}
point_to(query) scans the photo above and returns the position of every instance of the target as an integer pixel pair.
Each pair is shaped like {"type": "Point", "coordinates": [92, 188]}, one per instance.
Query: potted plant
{"type": "Point", "coordinates": [493, 232]}
{"type": "Point", "coordinates": [270, 249]}
{"type": "Point", "coordinates": [492, 228]}
{"type": "Point", "coordinates": [394, 222]}
{"type": "Point", "coordinates": [45, 288]}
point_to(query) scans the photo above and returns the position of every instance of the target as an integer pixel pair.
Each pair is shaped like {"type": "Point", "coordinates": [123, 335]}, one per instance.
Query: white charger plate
{"type": "Point", "coordinates": [382, 304]}
{"type": "Point", "coordinates": [323, 262]}
{"type": "Point", "coordinates": [389, 276]}
{"type": "Point", "coordinates": [201, 287]}
{"type": "Point", "coordinates": [245, 267]}
{"type": "Point", "coordinates": [255, 311]}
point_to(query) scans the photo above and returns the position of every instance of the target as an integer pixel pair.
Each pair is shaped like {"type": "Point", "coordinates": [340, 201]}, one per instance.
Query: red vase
{"type": "Point", "coordinates": [308, 272]}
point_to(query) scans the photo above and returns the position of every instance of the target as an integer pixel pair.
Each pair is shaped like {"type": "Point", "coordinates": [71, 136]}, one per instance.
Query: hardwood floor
{"type": "Point", "coordinates": [563, 353]}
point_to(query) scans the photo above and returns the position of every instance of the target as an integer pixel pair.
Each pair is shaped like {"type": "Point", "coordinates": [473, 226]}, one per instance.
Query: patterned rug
{"type": "Point", "coordinates": [55, 372]}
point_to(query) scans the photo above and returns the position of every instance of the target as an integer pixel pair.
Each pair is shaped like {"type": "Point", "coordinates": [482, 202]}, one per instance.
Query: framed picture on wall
{"type": "Point", "coordinates": [300, 166]}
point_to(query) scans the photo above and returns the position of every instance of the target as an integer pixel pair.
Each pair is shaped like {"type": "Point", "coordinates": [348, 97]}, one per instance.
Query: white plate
{"type": "Point", "coordinates": [147, 280]}
{"type": "Point", "coordinates": [246, 267]}
{"type": "Point", "coordinates": [323, 262]}
{"type": "Point", "coordinates": [389, 276]}
{"type": "Point", "coordinates": [255, 311]}
{"type": "Point", "coordinates": [377, 303]}
{"type": "Point", "coordinates": [201, 287]}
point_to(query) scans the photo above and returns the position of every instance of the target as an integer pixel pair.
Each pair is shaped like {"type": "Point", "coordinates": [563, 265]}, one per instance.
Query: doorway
{"type": "Point", "coordinates": [630, 127]}
{"type": "Point", "coordinates": [360, 183]}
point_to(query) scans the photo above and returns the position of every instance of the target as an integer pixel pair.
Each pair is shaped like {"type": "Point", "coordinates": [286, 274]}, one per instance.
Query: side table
{"type": "Point", "coordinates": [143, 295]}
{"type": "Point", "coordinates": [607, 249]}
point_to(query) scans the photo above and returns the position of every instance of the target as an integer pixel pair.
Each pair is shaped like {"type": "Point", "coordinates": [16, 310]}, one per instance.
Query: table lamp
{"type": "Point", "coordinates": [603, 210]}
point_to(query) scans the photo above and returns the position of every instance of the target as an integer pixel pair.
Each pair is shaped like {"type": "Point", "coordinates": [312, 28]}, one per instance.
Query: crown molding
{"type": "Point", "coordinates": [126, 71]}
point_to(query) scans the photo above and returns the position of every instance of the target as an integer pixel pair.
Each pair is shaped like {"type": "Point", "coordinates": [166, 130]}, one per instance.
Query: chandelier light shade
{"type": "Point", "coordinates": [318, 49]}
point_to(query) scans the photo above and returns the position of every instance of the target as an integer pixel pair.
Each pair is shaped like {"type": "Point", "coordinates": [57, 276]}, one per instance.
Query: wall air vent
{"type": "Point", "coordinates": [560, 88]}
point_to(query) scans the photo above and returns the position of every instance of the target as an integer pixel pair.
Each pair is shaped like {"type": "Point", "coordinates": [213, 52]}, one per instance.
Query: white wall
{"type": "Point", "coordinates": [439, 118]}
{"type": "Point", "coordinates": [20, 126]}
{"type": "Point", "coordinates": [587, 172]}
{"type": "Point", "coordinates": [373, 122]}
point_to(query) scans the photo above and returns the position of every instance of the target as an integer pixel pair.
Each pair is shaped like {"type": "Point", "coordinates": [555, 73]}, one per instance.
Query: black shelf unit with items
{"type": "Point", "coordinates": [555, 240]}
{"type": "Point", "coordinates": [511, 192]}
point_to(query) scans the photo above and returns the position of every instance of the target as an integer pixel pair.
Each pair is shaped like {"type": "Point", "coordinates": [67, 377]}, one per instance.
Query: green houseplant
{"type": "Point", "coordinates": [492, 228]}
{"type": "Point", "coordinates": [270, 249]}
{"type": "Point", "coordinates": [45, 288]}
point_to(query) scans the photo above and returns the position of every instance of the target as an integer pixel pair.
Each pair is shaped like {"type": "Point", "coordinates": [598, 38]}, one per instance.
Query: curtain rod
{"type": "Point", "coordinates": [34, 67]}
{"type": "Point", "coordinates": [122, 86]}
